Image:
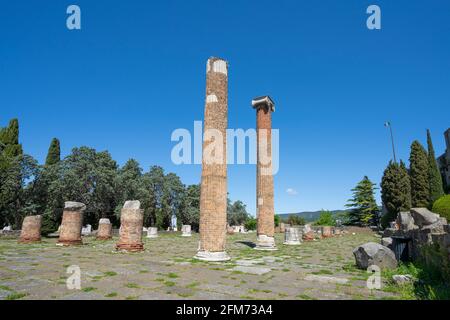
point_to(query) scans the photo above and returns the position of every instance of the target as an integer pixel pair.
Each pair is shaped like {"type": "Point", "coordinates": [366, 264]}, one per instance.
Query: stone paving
{"type": "Point", "coordinates": [323, 269]}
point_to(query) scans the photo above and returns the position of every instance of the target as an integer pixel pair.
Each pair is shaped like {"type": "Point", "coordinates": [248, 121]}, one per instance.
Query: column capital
{"type": "Point", "coordinates": [263, 102]}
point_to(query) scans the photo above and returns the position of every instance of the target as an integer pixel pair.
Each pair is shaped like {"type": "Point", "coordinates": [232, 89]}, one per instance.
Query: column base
{"type": "Point", "coordinates": [103, 238]}
{"type": "Point", "coordinates": [66, 243]}
{"type": "Point", "coordinates": [29, 241]}
{"type": "Point", "coordinates": [292, 243]}
{"type": "Point", "coordinates": [135, 247]}
{"type": "Point", "coordinates": [212, 256]}
{"type": "Point", "coordinates": [264, 242]}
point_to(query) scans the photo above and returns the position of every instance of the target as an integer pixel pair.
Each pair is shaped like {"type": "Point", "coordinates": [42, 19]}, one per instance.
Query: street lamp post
{"type": "Point", "coordinates": [388, 124]}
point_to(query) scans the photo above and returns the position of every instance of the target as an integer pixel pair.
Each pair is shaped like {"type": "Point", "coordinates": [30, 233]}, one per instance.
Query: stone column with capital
{"type": "Point", "coordinates": [264, 174]}
{"type": "Point", "coordinates": [213, 194]}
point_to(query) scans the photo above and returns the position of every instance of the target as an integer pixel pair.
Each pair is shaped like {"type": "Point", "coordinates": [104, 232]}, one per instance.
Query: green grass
{"type": "Point", "coordinates": [172, 275]}
{"type": "Point", "coordinates": [131, 298]}
{"type": "Point", "coordinates": [193, 284]}
{"type": "Point", "coordinates": [110, 273]}
{"type": "Point", "coordinates": [88, 289]}
{"type": "Point", "coordinates": [322, 271]}
{"type": "Point", "coordinates": [305, 297]}
{"type": "Point", "coordinates": [132, 285]}
{"type": "Point", "coordinates": [5, 288]}
{"type": "Point", "coordinates": [16, 296]}
{"type": "Point", "coordinates": [169, 283]}
{"type": "Point", "coordinates": [111, 295]}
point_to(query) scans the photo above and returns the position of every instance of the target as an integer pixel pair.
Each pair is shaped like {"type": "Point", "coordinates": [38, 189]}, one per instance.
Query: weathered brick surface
{"type": "Point", "coordinates": [70, 232]}
{"type": "Point", "coordinates": [213, 195]}
{"type": "Point", "coordinates": [104, 229]}
{"type": "Point", "coordinates": [31, 229]}
{"type": "Point", "coordinates": [327, 232]}
{"type": "Point", "coordinates": [264, 184]}
{"type": "Point", "coordinates": [130, 234]}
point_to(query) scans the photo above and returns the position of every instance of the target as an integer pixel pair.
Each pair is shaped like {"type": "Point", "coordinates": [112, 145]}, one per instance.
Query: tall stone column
{"type": "Point", "coordinates": [264, 176]}
{"type": "Point", "coordinates": [213, 195]}
{"type": "Point", "coordinates": [131, 222]}
{"type": "Point", "coordinates": [72, 222]}
{"type": "Point", "coordinates": [31, 229]}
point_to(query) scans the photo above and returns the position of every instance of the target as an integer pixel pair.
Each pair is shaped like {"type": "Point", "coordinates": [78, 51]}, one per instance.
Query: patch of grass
{"type": "Point", "coordinates": [88, 289]}
{"type": "Point", "coordinates": [5, 288]}
{"type": "Point", "coordinates": [172, 275]}
{"type": "Point", "coordinates": [143, 271]}
{"type": "Point", "coordinates": [304, 297]}
{"type": "Point", "coordinates": [169, 283]}
{"type": "Point", "coordinates": [285, 270]}
{"type": "Point", "coordinates": [110, 273]}
{"type": "Point", "coordinates": [185, 294]}
{"type": "Point", "coordinates": [193, 284]}
{"type": "Point", "coordinates": [131, 298]}
{"type": "Point", "coordinates": [111, 295]}
{"type": "Point", "coordinates": [16, 296]}
{"type": "Point", "coordinates": [237, 272]}
{"type": "Point", "coordinates": [132, 285]}
{"type": "Point", "coordinates": [322, 271]}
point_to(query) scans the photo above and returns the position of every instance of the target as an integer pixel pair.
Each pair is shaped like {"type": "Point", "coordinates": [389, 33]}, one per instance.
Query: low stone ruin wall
{"type": "Point", "coordinates": [10, 234]}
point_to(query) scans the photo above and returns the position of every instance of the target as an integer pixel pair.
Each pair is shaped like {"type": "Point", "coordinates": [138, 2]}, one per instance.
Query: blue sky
{"type": "Point", "coordinates": [136, 71]}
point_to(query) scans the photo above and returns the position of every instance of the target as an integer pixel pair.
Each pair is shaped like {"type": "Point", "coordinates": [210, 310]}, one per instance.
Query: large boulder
{"type": "Point", "coordinates": [423, 216]}
{"type": "Point", "coordinates": [372, 253]}
{"type": "Point", "coordinates": [406, 221]}
{"type": "Point", "coordinates": [387, 242]}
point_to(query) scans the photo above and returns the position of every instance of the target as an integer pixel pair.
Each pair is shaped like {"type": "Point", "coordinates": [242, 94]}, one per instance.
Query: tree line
{"type": "Point", "coordinates": [95, 179]}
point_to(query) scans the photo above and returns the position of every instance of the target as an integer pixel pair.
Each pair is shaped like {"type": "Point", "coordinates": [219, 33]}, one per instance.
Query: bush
{"type": "Point", "coordinates": [250, 224]}
{"type": "Point", "coordinates": [276, 220]}
{"type": "Point", "coordinates": [442, 206]}
{"type": "Point", "coordinates": [325, 219]}
{"type": "Point", "coordinates": [295, 220]}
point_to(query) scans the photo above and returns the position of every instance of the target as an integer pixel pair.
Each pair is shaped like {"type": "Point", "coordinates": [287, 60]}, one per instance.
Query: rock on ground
{"type": "Point", "coordinates": [372, 253]}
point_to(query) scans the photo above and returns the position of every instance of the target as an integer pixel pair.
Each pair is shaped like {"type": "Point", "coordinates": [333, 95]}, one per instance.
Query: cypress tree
{"type": "Point", "coordinates": [363, 204]}
{"type": "Point", "coordinates": [395, 191]}
{"type": "Point", "coordinates": [9, 138]}
{"type": "Point", "coordinates": [434, 176]}
{"type": "Point", "coordinates": [54, 153]}
{"type": "Point", "coordinates": [418, 170]}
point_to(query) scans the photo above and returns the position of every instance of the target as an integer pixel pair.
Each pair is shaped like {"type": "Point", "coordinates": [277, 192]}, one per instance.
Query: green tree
{"type": "Point", "coordinates": [9, 137]}
{"type": "Point", "coordinates": [154, 185]}
{"type": "Point", "coordinates": [434, 176]}
{"type": "Point", "coordinates": [54, 153]}
{"type": "Point", "coordinates": [364, 209]}
{"type": "Point", "coordinates": [191, 207]}
{"type": "Point", "coordinates": [325, 219]}
{"type": "Point", "coordinates": [251, 223]}
{"type": "Point", "coordinates": [419, 171]}
{"type": "Point", "coordinates": [237, 213]}
{"type": "Point", "coordinates": [295, 220]}
{"type": "Point", "coordinates": [395, 191]}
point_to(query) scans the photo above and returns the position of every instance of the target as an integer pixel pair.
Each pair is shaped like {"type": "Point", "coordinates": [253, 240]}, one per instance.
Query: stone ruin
{"type": "Point", "coordinates": [292, 236]}
{"type": "Point", "coordinates": [152, 232]}
{"type": "Point", "coordinates": [186, 231]}
{"type": "Point", "coordinates": [213, 197]}
{"type": "Point", "coordinates": [131, 222]}
{"type": "Point", "coordinates": [264, 174]}
{"type": "Point", "coordinates": [104, 229]}
{"type": "Point", "coordinates": [72, 223]}
{"type": "Point", "coordinates": [31, 229]}
{"type": "Point", "coordinates": [414, 230]}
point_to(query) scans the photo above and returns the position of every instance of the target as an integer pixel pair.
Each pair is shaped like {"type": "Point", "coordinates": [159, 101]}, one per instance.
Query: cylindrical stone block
{"type": "Point", "coordinates": [31, 229]}
{"type": "Point", "coordinates": [72, 223]}
{"type": "Point", "coordinates": [326, 232]}
{"type": "Point", "coordinates": [213, 195]}
{"type": "Point", "coordinates": [264, 177]}
{"type": "Point", "coordinates": [186, 231]}
{"type": "Point", "coordinates": [131, 222]}
{"type": "Point", "coordinates": [104, 229]}
{"type": "Point", "coordinates": [292, 236]}
{"type": "Point", "coordinates": [152, 232]}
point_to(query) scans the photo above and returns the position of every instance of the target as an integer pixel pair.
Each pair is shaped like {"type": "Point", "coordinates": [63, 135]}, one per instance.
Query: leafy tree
{"type": "Point", "coordinates": [296, 220]}
{"type": "Point", "coordinates": [154, 185]}
{"type": "Point", "coordinates": [418, 171]}
{"type": "Point", "coordinates": [9, 137]}
{"type": "Point", "coordinates": [276, 220]}
{"type": "Point", "coordinates": [395, 191]}
{"type": "Point", "coordinates": [251, 223]}
{"type": "Point", "coordinates": [325, 219]}
{"type": "Point", "coordinates": [54, 153]}
{"type": "Point", "coordinates": [364, 209]}
{"type": "Point", "coordinates": [442, 206]}
{"type": "Point", "coordinates": [191, 207]}
{"type": "Point", "coordinates": [434, 176]}
{"type": "Point", "coordinates": [172, 200]}
{"type": "Point", "coordinates": [237, 213]}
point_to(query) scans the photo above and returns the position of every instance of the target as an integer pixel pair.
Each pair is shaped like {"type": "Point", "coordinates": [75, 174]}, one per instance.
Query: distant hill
{"type": "Point", "coordinates": [310, 216]}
